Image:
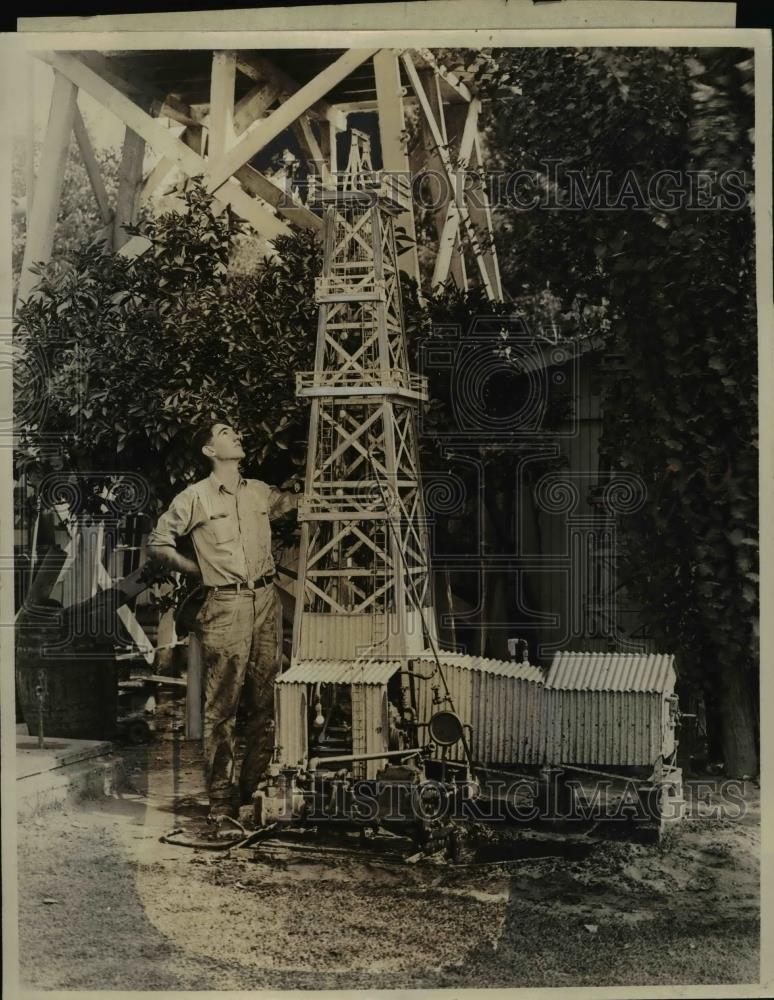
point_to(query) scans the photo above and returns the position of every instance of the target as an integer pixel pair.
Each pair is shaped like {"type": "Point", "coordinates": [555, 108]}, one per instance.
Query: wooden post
{"type": "Point", "coordinates": [30, 136]}
{"type": "Point", "coordinates": [53, 160]}
{"type": "Point", "coordinates": [221, 129]}
{"type": "Point", "coordinates": [260, 134]}
{"type": "Point", "coordinates": [92, 168]}
{"type": "Point", "coordinates": [194, 728]}
{"type": "Point", "coordinates": [392, 123]}
{"type": "Point", "coordinates": [129, 183]}
{"type": "Point", "coordinates": [447, 216]}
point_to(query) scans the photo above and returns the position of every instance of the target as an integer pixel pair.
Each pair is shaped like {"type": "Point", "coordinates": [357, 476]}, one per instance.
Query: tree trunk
{"type": "Point", "coordinates": [498, 516]}
{"type": "Point", "coordinates": [450, 603]}
{"type": "Point", "coordinates": [738, 724]}
{"type": "Point", "coordinates": [497, 645]}
{"type": "Point", "coordinates": [483, 614]}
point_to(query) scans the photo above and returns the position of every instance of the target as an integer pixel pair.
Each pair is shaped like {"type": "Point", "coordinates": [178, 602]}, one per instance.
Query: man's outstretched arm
{"type": "Point", "coordinates": [283, 500]}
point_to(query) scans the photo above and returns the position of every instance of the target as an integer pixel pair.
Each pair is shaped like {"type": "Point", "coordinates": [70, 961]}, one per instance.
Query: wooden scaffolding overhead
{"type": "Point", "coordinates": [219, 114]}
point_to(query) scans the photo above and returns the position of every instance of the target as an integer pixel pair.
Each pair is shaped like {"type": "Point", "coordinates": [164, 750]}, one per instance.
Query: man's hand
{"type": "Point", "coordinates": [293, 485]}
{"type": "Point", "coordinates": [171, 559]}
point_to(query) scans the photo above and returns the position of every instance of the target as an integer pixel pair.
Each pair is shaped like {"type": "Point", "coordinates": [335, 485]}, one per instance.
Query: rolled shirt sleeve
{"type": "Point", "coordinates": [176, 521]}
{"type": "Point", "coordinates": [282, 502]}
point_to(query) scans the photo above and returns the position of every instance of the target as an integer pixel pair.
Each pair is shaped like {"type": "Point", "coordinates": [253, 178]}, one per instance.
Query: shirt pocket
{"type": "Point", "coordinates": [220, 529]}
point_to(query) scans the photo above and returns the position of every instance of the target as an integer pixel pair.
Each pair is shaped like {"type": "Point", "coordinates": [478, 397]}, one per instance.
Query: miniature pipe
{"type": "Point", "coordinates": [314, 762]}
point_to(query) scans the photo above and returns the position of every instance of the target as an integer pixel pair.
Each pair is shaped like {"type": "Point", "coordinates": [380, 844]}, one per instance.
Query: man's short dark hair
{"type": "Point", "coordinates": [203, 434]}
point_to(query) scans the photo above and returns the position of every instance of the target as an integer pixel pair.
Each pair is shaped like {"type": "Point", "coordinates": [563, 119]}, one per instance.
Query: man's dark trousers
{"type": "Point", "coordinates": [240, 635]}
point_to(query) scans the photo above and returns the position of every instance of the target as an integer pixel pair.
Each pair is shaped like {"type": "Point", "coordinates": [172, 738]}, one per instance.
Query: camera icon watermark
{"type": "Point", "coordinates": [499, 381]}
{"type": "Point", "coordinates": [78, 593]}
{"type": "Point", "coordinates": [48, 392]}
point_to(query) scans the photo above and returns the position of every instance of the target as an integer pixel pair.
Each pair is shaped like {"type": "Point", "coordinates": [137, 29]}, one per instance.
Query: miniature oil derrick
{"type": "Point", "coordinates": [364, 560]}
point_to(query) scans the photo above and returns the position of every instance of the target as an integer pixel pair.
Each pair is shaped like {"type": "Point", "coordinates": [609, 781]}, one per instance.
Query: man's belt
{"type": "Point", "coordinates": [262, 581]}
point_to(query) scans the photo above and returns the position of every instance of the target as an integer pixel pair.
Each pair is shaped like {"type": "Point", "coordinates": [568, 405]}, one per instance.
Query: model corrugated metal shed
{"type": "Point", "coordinates": [606, 727]}
{"type": "Point", "coordinates": [641, 672]}
{"type": "Point", "coordinates": [340, 672]}
{"type": "Point", "coordinates": [488, 665]}
{"type": "Point", "coordinates": [499, 699]}
{"type": "Point", "coordinates": [359, 636]}
{"type": "Point", "coordinates": [291, 714]}
{"type": "Point", "coordinates": [370, 727]}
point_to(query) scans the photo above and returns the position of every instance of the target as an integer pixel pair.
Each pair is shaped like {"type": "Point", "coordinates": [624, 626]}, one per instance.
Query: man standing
{"type": "Point", "coordinates": [227, 519]}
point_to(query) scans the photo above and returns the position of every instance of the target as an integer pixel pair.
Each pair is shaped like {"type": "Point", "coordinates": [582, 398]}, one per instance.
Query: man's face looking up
{"type": "Point", "coordinates": [225, 444]}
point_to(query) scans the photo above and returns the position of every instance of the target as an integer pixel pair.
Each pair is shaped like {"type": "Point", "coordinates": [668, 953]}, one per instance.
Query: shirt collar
{"type": "Point", "coordinates": [219, 486]}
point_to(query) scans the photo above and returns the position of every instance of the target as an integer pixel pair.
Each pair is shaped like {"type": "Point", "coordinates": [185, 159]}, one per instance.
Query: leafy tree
{"type": "Point", "coordinates": [142, 351]}
{"type": "Point", "coordinates": [672, 290]}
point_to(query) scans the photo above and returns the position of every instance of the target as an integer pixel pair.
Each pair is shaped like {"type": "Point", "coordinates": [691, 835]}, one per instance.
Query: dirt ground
{"type": "Point", "coordinates": [105, 906]}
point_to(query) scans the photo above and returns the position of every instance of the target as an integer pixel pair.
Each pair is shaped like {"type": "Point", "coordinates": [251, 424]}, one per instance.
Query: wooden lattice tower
{"type": "Point", "coordinates": [364, 580]}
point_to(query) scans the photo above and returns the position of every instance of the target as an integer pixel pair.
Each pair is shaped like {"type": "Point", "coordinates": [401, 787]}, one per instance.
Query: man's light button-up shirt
{"type": "Point", "coordinates": [230, 531]}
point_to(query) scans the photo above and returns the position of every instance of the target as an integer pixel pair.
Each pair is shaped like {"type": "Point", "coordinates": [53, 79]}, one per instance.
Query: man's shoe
{"type": "Point", "coordinates": [222, 829]}
{"type": "Point", "coordinates": [218, 809]}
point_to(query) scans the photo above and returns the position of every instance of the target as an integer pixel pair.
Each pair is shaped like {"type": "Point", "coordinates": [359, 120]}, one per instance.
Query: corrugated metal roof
{"type": "Point", "coordinates": [485, 664]}
{"type": "Point", "coordinates": [612, 672]}
{"type": "Point", "coordinates": [366, 671]}
{"type": "Point", "coordinates": [340, 672]}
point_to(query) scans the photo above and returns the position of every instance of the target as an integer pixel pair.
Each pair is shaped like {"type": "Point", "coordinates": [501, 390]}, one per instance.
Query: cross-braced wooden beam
{"type": "Point", "coordinates": [260, 69]}
{"type": "Point", "coordinates": [448, 238]}
{"type": "Point", "coordinates": [164, 105]}
{"type": "Point", "coordinates": [48, 185]}
{"type": "Point", "coordinates": [220, 138]}
{"type": "Point", "coordinates": [164, 166]}
{"type": "Point", "coordinates": [254, 104]}
{"type": "Point", "coordinates": [450, 80]}
{"type": "Point", "coordinates": [263, 131]}
{"type": "Point", "coordinates": [456, 206]}
{"type": "Point", "coordinates": [92, 168]}
{"type": "Point", "coordinates": [166, 144]}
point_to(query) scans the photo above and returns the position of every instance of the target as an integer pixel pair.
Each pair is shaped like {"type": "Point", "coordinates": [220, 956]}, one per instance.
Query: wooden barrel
{"type": "Point", "coordinates": [79, 693]}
